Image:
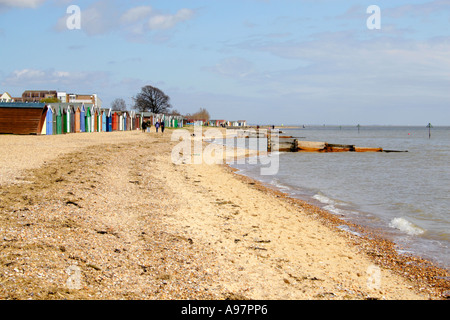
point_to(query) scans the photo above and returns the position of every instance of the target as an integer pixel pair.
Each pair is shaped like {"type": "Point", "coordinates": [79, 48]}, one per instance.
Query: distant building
{"type": "Point", "coordinates": [38, 95]}
{"type": "Point", "coordinates": [62, 96]}
{"type": "Point", "coordinates": [84, 98]}
{"type": "Point", "coordinates": [6, 97]}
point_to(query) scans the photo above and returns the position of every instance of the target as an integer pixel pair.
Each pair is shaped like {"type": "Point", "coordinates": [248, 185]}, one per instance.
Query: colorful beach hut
{"type": "Point", "coordinates": [100, 119]}
{"type": "Point", "coordinates": [104, 121]}
{"type": "Point", "coordinates": [88, 124]}
{"type": "Point", "coordinates": [125, 121]}
{"type": "Point", "coordinates": [59, 120]}
{"type": "Point", "coordinates": [109, 121]}
{"type": "Point", "coordinates": [72, 119]}
{"type": "Point", "coordinates": [120, 115]}
{"type": "Point", "coordinates": [95, 120]}
{"type": "Point", "coordinates": [83, 118]}
{"type": "Point", "coordinates": [49, 121]}
{"type": "Point", "coordinates": [77, 119]}
{"type": "Point", "coordinates": [115, 121]}
{"type": "Point", "coordinates": [65, 119]}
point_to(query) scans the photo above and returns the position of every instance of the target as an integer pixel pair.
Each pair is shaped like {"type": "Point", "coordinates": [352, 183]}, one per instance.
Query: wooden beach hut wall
{"type": "Point", "coordinates": [109, 121]}
{"type": "Point", "coordinates": [83, 119]}
{"type": "Point", "coordinates": [131, 120]}
{"type": "Point", "coordinates": [120, 121]}
{"type": "Point", "coordinates": [22, 118]}
{"type": "Point", "coordinates": [72, 119]}
{"type": "Point", "coordinates": [100, 120]}
{"type": "Point", "coordinates": [128, 122]}
{"type": "Point", "coordinates": [124, 121]}
{"type": "Point", "coordinates": [44, 127]}
{"type": "Point", "coordinates": [88, 119]}
{"type": "Point", "coordinates": [77, 119]}
{"type": "Point", "coordinates": [95, 120]}
{"type": "Point", "coordinates": [137, 121]}
{"type": "Point", "coordinates": [49, 121]}
{"type": "Point", "coordinates": [59, 120]}
{"type": "Point", "coordinates": [115, 121]}
{"type": "Point", "coordinates": [54, 116]}
{"type": "Point", "coordinates": [63, 119]}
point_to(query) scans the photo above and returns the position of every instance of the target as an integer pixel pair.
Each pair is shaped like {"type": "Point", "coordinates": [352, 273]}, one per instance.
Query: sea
{"type": "Point", "coordinates": [405, 194]}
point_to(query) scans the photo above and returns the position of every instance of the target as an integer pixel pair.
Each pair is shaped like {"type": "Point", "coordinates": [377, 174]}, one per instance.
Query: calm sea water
{"type": "Point", "coordinates": [405, 194]}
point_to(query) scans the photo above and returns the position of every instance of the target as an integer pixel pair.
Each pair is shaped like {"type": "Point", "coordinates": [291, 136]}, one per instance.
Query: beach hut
{"type": "Point", "coordinates": [104, 120]}
{"type": "Point", "coordinates": [137, 121]}
{"type": "Point", "coordinates": [83, 118]}
{"type": "Point", "coordinates": [115, 121]}
{"type": "Point", "coordinates": [59, 120]}
{"type": "Point", "coordinates": [88, 119]}
{"type": "Point", "coordinates": [49, 121]}
{"type": "Point", "coordinates": [77, 119]}
{"type": "Point", "coordinates": [126, 116]}
{"type": "Point", "coordinates": [109, 121]}
{"type": "Point", "coordinates": [54, 116]}
{"type": "Point", "coordinates": [63, 119]}
{"type": "Point", "coordinates": [22, 118]}
{"type": "Point", "coordinates": [120, 126]}
{"type": "Point", "coordinates": [72, 119]}
{"type": "Point", "coordinates": [95, 118]}
{"type": "Point", "coordinates": [100, 120]}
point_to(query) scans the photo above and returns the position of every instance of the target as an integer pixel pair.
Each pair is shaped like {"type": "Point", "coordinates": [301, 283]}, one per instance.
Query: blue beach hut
{"type": "Point", "coordinates": [49, 121]}
{"type": "Point", "coordinates": [109, 121]}
{"type": "Point", "coordinates": [83, 119]}
{"type": "Point", "coordinates": [104, 120]}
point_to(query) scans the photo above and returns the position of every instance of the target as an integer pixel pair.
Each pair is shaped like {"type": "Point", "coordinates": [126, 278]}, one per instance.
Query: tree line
{"type": "Point", "coordinates": [152, 99]}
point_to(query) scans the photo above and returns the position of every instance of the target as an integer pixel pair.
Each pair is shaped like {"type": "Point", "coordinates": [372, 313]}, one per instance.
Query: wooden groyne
{"type": "Point", "coordinates": [282, 143]}
{"type": "Point", "coordinates": [291, 144]}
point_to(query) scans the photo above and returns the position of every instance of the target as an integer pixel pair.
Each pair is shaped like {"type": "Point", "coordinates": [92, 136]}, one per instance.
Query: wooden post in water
{"type": "Point", "coordinates": [429, 126]}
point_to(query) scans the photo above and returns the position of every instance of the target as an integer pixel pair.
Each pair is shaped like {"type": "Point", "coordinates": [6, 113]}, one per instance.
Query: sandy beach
{"type": "Point", "coordinates": [110, 216]}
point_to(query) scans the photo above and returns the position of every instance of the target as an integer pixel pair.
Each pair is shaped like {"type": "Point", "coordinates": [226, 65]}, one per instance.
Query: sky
{"type": "Point", "coordinates": [290, 62]}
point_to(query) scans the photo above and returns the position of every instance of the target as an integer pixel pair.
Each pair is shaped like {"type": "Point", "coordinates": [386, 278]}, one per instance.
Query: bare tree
{"type": "Point", "coordinates": [119, 105]}
{"type": "Point", "coordinates": [202, 114]}
{"type": "Point", "coordinates": [152, 99]}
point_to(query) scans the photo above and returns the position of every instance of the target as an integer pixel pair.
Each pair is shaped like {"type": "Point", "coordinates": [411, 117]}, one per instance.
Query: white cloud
{"type": "Point", "coordinates": [136, 14]}
{"type": "Point", "coordinates": [102, 17]}
{"type": "Point", "coordinates": [233, 67]}
{"type": "Point", "coordinates": [99, 18]}
{"type": "Point", "coordinates": [36, 78]}
{"type": "Point", "coordinates": [423, 9]}
{"type": "Point", "coordinates": [167, 21]}
{"type": "Point", "coordinates": [21, 3]}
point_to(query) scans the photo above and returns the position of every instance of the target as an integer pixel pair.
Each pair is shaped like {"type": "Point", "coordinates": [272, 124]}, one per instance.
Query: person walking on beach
{"type": "Point", "coordinates": [157, 126]}
{"type": "Point", "coordinates": [162, 126]}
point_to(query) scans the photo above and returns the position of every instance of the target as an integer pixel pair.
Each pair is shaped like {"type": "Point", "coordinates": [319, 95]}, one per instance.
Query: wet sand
{"type": "Point", "coordinates": [110, 216]}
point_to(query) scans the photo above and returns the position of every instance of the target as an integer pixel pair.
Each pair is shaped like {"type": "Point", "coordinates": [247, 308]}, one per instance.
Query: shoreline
{"type": "Point", "coordinates": [372, 242]}
{"type": "Point", "coordinates": [166, 231]}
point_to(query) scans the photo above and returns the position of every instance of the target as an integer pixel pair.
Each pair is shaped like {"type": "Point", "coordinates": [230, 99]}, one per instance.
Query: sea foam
{"type": "Point", "coordinates": [406, 226]}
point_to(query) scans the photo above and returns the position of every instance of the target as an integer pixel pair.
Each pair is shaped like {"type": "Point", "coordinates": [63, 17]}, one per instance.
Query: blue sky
{"type": "Point", "coordinates": [282, 62]}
